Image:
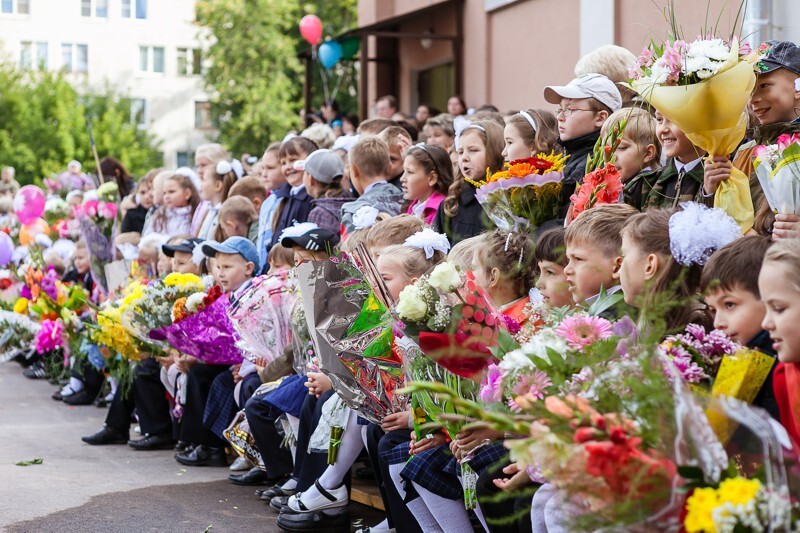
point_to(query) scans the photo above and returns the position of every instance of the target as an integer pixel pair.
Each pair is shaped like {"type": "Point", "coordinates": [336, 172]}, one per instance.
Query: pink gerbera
{"type": "Point", "coordinates": [533, 386]}
{"type": "Point", "coordinates": [580, 331]}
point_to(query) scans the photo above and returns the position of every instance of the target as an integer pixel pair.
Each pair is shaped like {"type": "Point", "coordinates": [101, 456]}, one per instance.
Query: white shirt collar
{"type": "Point", "coordinates": [296, 190]}
{"type": "Point", "coordinates": [687, 167]}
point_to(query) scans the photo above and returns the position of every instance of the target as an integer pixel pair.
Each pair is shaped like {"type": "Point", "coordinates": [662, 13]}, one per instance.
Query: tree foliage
{"type": "Point", "coordinates": [253, 74]}
{"type": "Point", "coordinates": [43, 125]}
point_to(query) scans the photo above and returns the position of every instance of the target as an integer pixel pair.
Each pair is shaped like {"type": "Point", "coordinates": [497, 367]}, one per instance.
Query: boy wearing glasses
{"type": "Point", "coordinates": [584, 104]}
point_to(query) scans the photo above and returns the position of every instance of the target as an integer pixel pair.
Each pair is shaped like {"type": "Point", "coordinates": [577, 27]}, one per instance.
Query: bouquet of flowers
{"type": "Point", "coordinates": [451, 319]}
{"type": "Point", "coordinates": [778, 169]}
{"type": "Point", "coordinates": [715, 365]}
{"type": "Point", "coordinates": [148, 306]}
{"type": "Point", "coordinates": [98, 222]}
{"type": "Point", "coordinates": [201, 328]}
{"type": "Point", "coordinates": [703, 87]}
{"type": "Point", "coordinates": [111, 333]}
{"type": "Point", "coordinates": [527, 192]}
{"type": "Point", "coordinates": [602, 183]}
{"type": "Point", "coordinates": [18, 331]}
{"type": "Point", "coordinates": [261, 317]}
{"type": "Point", "coordinates": [55, 210]}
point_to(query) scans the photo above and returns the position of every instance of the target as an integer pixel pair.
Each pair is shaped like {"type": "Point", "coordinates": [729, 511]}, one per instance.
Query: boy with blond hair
{"type": "Point", "coordinates": [369, 175]}
{"type": "Point", "coordinates": [593, 242]}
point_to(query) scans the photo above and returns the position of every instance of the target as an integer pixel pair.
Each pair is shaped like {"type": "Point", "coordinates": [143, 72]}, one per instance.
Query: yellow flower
{"type": "Point", "coordinates": [180, 280]}
{"type": "Point", "coordinates": [738, 490]}
{"type": "Point", "coordinates": [699, 507]}
{"type": "Point", "coordinates": [21, 306]}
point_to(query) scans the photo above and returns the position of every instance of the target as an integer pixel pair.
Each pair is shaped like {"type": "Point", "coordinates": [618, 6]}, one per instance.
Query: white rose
{"type": "Point", "coordinates": [514, 361]}
{"type": "Point", "coordinates": [544, 339]}
{"type": "Point", "coordinates": [445, 277]}
{"type": "Point", "coordinates": [412, 305]}
{"type": "Point", "coordinates": [194, 301]}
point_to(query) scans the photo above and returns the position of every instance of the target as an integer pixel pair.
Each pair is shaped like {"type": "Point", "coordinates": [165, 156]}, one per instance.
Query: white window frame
{"type": "Point", "coordinates": [42, 60]}
{"type": "Point", "coordinates": [145, 122]}
{"type": "Point", "coordinates": [190, 61]}
{"type": "Point", "coordinates": [26, 59]}
{"type": "Point", "coordinates": [150, 60]}
{"type": "Point", "coordinates": [73, 63]}
{"type": "Point", "coordinates": [93, 4]}
{"type": "Point", "coordinates": [132, 9]}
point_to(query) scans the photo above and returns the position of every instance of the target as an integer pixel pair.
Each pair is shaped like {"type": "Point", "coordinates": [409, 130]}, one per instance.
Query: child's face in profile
{"type": "Point", "coordinates": [233, 271]}
{"type": "Point", "coordinates": [164, 264]}
{"type": "Point", "coordinates": [782, 301]}
{"type": "Point", "coordinates": [630, 158]}
{"type": "Point", "coordinates": [515, 147]}
{"type": "Point", "coordinates": [81, 260]}
{"type": "Point", "coordinates": [275, 266]}
{"type": "Point", "coordinates": [301, 255]}
{"type": "Point", "coordinates": [393, 276]}
{"type": "Point", "coordinates": [183, 264]}
{"type": "Point", "coordinates": [737, 312]}
{"type": "Point", "coordinates": [637, 269]}
{"type": "Point", "coordinates": [552, 284]}
{"type": "Point", "coordinates": [588, 270]}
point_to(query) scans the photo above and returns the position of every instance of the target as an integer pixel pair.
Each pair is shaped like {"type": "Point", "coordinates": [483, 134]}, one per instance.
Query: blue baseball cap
{"type": "Point", "coordinates": [233, 245]}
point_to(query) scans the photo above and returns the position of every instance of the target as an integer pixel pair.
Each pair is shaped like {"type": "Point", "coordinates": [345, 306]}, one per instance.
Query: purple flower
{"type": "Point", "coordinates": [512, 325]}
{"type": "Point", "coordinates": [492, 390]}
{"type": "Point", "coordinates": [25, 292]}
{"type": "Point", "coordinates": [625, 328]}
{"type": "Point", "coordinates": [689, 370]}
{"type": "Point", "coordinates": [48, 285]}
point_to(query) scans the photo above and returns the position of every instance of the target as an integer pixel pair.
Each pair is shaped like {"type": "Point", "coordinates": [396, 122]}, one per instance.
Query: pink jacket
{"type": "Point", "coordinates": [431, 206]}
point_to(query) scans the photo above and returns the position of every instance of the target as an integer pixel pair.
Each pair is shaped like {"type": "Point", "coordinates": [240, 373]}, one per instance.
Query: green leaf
{"type": "Point", "coordinates": [604, 302]}
{"type": "Point", "coordinates": [30, 463]}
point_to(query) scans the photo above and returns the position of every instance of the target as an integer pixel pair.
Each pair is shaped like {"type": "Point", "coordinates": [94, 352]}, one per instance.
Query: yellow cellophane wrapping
{"type": "Point", "coordinates": [712, 115]}
{"type": "Point", "coordinates": [740, 376]}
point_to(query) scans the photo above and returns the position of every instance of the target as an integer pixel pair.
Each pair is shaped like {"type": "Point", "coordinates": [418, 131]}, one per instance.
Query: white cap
{"type": "Point", "coordinates": [594, 86]}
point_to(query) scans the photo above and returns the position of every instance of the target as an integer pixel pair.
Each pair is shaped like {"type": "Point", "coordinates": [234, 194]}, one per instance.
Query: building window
{"type": "Point", "coordinates": [136, 8]}
{"type": "Point", "coordinates": [182, 159]}
{"type": "Point", "coordinates": [18, 7]}
{"type": "Point", "coordinates": [75, 57]}
{"type": "Point", "coordinates": [96, 8]}
{"type": "Point", "coordinates": [27, 59]}
{"type": "Point", "coordinates": [25, 55]}
{"type": "Point", "coordinates": [204, 118]}
{"type": "Point", "coordinates": [139, 112]}
{"type": "Point", "coordinates": [190, 61]}
{"type": "Point", "coordinates": [151, 59]}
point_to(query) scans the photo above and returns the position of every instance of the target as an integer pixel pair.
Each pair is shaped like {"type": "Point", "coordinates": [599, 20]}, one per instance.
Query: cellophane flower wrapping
{"type": "Point", "coordinates": [525, 194]}
{"type": "Point", "coordinates": [777, 167]}
{"type": "Point", "coordinates": [451, 319]}
{"type": "Point", "coordinates": [349, 340]}
{"type": "Point", "coordinates": [208, 335]}
{"type": "Point", "coordinates": [16, 331]}
{"type": "Point", "coordinates": [98, 221]}
{"type": "Point", "coordinates": [705, 94]}
{"type": "Point", "coordinates": [261, 317]}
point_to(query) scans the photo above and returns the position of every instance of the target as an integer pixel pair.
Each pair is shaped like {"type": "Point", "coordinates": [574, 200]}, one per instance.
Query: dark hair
{"type": "Point", "coordinates": [411, 129]}
{"type": "Point", "coordinates": [433, 158]}
{"type": "Point", "coordinates": [460, 101]}
{"type": "Point", "coordinates": [550, 246]}
{"type": "Point", "coordinates": [374, 126]}
{"type": "Point", "coordinates": [544, 137]}
{"type": "Point", "coordinates": [736, 265]}
{"type": "Point", "coordinates": [511, 254]}
{"type": "Point", "coordinates": [389, 99]}
{"type": "Point", "coordinates": [112, 168]}
{"type": "Point", "coordinates": [184, 182]}
{"type": "Point", "coordinates": [352, 119]}
{"type": "Point", "coordinates": [297, 147]}
{"type": "Point", "coordinates": [228, 180]}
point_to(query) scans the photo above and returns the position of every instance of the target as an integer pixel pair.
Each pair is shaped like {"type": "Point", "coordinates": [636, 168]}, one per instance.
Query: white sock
{"type": "Point", "coordinates": [383, 525]}
{"type": "Point", "coordinates": [74, 385]}
{"type": "Point", "coordinates": [423, 516]}
{"type": "Point", "coordinates": [479, 514]}
{"type": "Point", "coordinates": [114, 384]}
{"type": "Point", "coordinates": [349, 448]}
{"type": "Point", "coordinates": [448, 513]}
{"type": "Point", "coordinates": [289, 484]}
{"type": "Point", "coordinates": [399, 483]}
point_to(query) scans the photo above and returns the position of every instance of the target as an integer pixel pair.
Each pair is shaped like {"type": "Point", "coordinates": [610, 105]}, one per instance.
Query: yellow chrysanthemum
{"type": "Point", "coordinates": [21, 306]}
{"type": "Point", "coordinates": [738, 490]}
{"type": "Point", "coordinates": [183, 280]}
{"type": "Point", "coordinates": [699, 507]}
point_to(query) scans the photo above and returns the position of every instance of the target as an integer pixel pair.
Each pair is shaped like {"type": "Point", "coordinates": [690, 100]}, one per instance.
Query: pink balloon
{"type": "Point", "coordinates": [29, 204]}
{"type": "Point", "coordinates": [311, 29]}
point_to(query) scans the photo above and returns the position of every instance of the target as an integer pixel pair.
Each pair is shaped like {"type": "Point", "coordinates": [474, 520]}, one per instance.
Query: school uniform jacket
{"type": "Point", "coordinates": [664, 188]}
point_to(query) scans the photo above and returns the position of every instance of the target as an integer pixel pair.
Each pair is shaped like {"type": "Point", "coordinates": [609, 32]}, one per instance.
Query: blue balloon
{"type": "Point", "coordinates": [329, 53]}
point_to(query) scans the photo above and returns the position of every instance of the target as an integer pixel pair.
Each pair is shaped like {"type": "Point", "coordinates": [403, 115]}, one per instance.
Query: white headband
{"type": "Point", "coordinates": [529, 118]}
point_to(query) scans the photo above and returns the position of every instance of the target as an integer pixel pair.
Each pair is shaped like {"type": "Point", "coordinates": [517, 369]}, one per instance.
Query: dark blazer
{"type": "Point", "coordinates": [469, 220]}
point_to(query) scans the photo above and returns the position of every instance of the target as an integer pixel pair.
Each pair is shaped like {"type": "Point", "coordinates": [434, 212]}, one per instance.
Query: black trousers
{"type": "Point", "coordinates": [503, 512]}
{"type": "Point", "coordinates": [148, 396]}
{"type": "Point", "coordinates": [262, 418]}
{"type": "Point", "coordinates": [309, 466]}
{"type": "Point", "coordinates": [198, 386]}
{"type": "Point", "coordinates": [379, 443]}
{"type": "Point", "coordinates": [91, 377]}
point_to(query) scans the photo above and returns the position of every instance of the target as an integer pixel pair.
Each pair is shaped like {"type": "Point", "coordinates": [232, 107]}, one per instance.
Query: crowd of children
{"type": "Point", "coordinates": [404, 189]}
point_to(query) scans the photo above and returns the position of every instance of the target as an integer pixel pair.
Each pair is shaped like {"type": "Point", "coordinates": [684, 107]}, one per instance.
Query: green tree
{"type": "Point", "coordinates": [43, 126]}
{"type": "Point", "coordinates": [254, 74]}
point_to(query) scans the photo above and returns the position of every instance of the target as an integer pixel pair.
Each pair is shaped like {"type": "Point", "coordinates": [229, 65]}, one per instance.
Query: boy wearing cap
{"type": "Point", "coordinates": [184, 260]}
{"type": "Point", "coordinates": [584, 104]}
{"type": "Point", "coordinates": [369, 174]}
{"type": "Point", "coordinates": [236, 261]}
{"type": "Point", "coordinates": [775, 102]}
{"type": "Point", "coordinates": [322, 177]}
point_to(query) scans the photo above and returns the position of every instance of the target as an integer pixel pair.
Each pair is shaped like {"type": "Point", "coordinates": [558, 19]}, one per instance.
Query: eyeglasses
{"type": "Point", "coordinates": [568, 111]}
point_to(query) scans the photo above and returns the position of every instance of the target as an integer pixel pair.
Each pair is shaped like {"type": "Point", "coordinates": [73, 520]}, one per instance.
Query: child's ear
{"type": "Point", "coordinates": [433, 177]}
{"type": "Point", "coordinates": [652, 267]}
{"type": "Point", "coordinates": [355, 172]}
{"type": "Point", "coordinates": [650, 154]}
{"type": "Point", "coordinates": [600, 117]}
{"type": "Point", "coordinates": [249, 268]}
{"type": "Point", "coordinates": [494, 277]}
{"type": "Point", "coordinates": [617, 264]}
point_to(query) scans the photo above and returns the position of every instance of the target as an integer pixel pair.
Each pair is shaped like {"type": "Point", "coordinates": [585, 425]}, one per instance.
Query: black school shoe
{"type": "Point", "coordinates": [152, 442]}
{"type": "Point", "coordinates": [325, 521]}
{"type": "Point", "coordinates": [82, 397]}
{"type": "Point", "coordinates": [107, 435]}
{"type": "Point", "coordinates": [254, 476]}
{"type": "Point", "coordinates": [203, 455]}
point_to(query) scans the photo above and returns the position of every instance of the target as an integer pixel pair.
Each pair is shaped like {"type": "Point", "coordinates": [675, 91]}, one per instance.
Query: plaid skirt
{"type": "Point", "coordinates": [427, 470]}
{"type": "Point", "coordinates": [483, 459]}
{"type": "Point", "coordinates": [221, 406]}
{"type": "Point", "coordinates": [397, 455]}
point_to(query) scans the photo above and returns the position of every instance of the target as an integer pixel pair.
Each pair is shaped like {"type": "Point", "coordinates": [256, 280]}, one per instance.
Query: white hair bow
{"type": "Point", "coordinates": [697, 231]}
{"type": "Point", "coordinates": [223, 167]}
{"type": "Point", "coordinates": [429, 241]}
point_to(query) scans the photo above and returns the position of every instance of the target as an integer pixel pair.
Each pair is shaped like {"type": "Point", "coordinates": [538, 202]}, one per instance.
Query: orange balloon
{"type": "Point", "coordinates": [28, 232]}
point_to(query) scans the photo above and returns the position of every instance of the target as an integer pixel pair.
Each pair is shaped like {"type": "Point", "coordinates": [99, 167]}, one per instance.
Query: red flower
{"type": "Point", "coordinates": [602, 186]}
